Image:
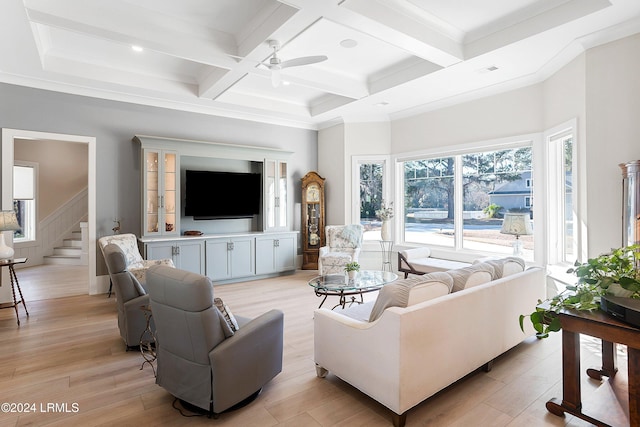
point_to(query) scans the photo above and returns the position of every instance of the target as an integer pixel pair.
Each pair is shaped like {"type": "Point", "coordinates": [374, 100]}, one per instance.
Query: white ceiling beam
{"type": "Point", "coordinates": [386, 23]}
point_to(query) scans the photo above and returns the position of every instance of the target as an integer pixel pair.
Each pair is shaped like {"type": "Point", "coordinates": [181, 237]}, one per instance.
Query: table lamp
{"type": "Point", "coordinates": [517, 224]}
{"type": "Point", "coordinates": [8, 222]}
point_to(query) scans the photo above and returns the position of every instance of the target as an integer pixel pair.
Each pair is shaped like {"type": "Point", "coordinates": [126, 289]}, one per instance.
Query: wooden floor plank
{"type": "Point", "coordinates": [69, 351]}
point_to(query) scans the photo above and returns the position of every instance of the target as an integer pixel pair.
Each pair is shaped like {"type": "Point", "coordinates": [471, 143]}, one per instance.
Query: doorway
{"type": "Point", "coordinates": [10, 137]}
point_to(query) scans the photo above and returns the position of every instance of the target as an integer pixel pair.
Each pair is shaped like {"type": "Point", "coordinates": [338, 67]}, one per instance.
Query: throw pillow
{"type": "Point", "coordinates": [473, 275]}
{"type": "Point", "coordinates": [226, 313]}
{"type": "Point", "coordinates": [398, 294]}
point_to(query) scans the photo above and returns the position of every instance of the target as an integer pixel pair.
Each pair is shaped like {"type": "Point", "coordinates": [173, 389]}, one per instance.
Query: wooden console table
{"type": "Point", "coordinates": [14, 284]}
{"type": "Point", "coordinates": [611, 331]}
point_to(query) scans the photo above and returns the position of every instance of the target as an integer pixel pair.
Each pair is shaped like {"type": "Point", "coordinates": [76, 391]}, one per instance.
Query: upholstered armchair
{"type": "Point", "coordinates": [128, 243]}
{"type": "Point", "coordinates": [343, 243]}
{"type": "Point", "coordinates": [201, 359]}
{"type": "Point", "coordinates": [130, 296]}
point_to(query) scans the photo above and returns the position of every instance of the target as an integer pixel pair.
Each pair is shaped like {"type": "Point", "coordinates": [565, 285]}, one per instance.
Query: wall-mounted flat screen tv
{"type": "Point", "coordinates": [213, 194]}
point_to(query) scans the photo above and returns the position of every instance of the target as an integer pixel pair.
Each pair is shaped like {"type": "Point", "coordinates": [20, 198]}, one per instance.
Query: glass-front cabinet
{"type": "Point", "coordinates": [160, 213]}
{"type": "Point", "coordinates": [275, 195]}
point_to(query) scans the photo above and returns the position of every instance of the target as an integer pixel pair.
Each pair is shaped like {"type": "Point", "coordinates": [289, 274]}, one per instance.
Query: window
{"type": "Point", "coordinates": [369, 191]}
{"type": "Point", "coordinates": [24, 200]}
{"type": "Point", "coordinates": [528, 202]}
{"type": "Point", "coordinates": [429, 201]}
{"type": "Point", "coordinates": [459, 201]}
{"type": "Point", "coordinates": [562, 211]}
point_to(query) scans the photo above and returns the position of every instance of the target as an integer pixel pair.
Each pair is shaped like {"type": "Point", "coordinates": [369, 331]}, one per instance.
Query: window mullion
{"type": "Point", "coordinates": [458, 223]}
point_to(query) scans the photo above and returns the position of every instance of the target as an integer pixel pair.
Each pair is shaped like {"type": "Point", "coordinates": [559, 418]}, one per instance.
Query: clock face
{"type": "Point", "coordinates": [313, 193]}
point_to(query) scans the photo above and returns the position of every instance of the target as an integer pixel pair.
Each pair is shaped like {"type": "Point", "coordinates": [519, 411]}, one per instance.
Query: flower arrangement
{"type": "Point", "coordinates": [385, 212]}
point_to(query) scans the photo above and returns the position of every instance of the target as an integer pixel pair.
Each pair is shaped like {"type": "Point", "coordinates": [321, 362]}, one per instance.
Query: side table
{"type": "Point", "coordinates": [387, 247]}
{"type": "Point", "coordinates": [610, 331]}
{"type": "Point", "coordinates": [14, 284]}
{"type": "Point", "coordinates": [148, 340]}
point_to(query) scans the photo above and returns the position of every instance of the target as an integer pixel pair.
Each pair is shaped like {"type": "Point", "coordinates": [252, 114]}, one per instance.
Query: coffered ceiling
{"type": "Point", "coordinates": [386, 58]}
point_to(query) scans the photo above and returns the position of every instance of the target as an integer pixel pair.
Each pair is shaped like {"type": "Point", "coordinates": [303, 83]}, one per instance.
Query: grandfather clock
{"type": "Point", "coordinates": [312, 223]}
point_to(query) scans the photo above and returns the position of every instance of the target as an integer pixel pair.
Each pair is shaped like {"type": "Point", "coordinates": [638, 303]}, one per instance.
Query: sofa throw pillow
{"type": "Point", "coordinates": [397, 294]}
{"type": "Point", "coordinates": [435, 285]}
{"type": "Point", "coordinates": [226, 313]}
{"type": "Point", "coordinates": [504, 267]}
{"type": "Point", "coordinates": [473, 275]}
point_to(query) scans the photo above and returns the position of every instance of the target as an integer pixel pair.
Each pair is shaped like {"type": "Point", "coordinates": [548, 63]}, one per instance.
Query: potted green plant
{"type": "Point", "coordinates": [352, 268]}
{"type": "Point", "coordinates": [613, 273]}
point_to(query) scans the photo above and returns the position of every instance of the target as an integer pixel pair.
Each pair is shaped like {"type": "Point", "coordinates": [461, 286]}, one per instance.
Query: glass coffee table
{"type": "Point", "coordinates": [341, 286]}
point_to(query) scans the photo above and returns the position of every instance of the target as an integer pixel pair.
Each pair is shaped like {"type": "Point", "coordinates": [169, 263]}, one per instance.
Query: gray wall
{"type": "Point", "coordinates": [115, 123]}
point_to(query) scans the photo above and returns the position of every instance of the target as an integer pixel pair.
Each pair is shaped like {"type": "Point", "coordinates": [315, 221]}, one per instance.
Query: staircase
{"type": "Point", "coordinates": [70, 253]}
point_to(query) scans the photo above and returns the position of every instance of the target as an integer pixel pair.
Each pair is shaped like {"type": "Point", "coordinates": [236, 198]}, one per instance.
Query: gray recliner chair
{"type": "Point", "coordinates": [130, 296]}
{"type": "Point", "coordinates": [200, 359]}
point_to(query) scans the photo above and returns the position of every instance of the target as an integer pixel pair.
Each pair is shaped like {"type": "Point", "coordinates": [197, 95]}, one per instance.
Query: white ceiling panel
{"type": "Point", "coordinates": [204, 55]}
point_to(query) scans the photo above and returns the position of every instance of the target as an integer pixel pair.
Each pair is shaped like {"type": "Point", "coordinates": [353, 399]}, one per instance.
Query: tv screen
{"type": "Point", "coordinates": [212, 194]}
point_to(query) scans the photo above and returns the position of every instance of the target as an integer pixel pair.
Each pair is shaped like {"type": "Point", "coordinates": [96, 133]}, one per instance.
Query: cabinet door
{"type": "Point", "coordinates": [266, 251]}
{"type": "Point", "coordinates": [191, 256]}
{"type": "Point", "coordinates": [161, 250]}
{"type": "Point", "coordinates": [243, 257]}
{"type": "Point", "coordinates": [217, 255]}
{"type": "Point", "coordinates": [169, 195]}
{"type": "Point", "coordinates": [151, 192]}
{"type": "Point", "coordinates": [275, 195]}
{"type": "Point", "coordinates": [286, 253]}
{"type": "Point", "coordinates": [160, 184]}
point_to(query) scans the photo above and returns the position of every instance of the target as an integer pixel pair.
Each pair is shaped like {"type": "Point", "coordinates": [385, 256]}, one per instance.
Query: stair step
{"type": "Point", "coordinates": [62, 260]}
{"type": "Point", "coordinates": [67, 251]}
{"type": "Point", "coordinates": [76, 243]}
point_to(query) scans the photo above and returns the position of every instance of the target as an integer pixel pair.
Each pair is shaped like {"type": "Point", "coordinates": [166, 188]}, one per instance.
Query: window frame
{"type": "Point", "coordinates": [32, 237]}
{"type": "Point", "coordinates": [527, 140]}
{"type": "Point", "coordinates": [356, 162]}
{"type": "Point", "coordinates": [554, 144]}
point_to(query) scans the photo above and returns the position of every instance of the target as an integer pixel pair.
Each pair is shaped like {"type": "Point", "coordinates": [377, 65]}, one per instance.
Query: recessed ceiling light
{"type": "Point", "coordinates": [348, 43]}
{"type": "Point", "coordinates": [286, 83]}
{"type": "Point", "coordinates": [382, 104]}
{"type": "Point", "coordinates": [136, 48]}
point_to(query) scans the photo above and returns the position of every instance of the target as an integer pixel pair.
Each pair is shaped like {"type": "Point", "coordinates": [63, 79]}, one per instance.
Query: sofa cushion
{"type": "Point", "coordinates": [360, 312]}
{"type": "Point", "coordinates": [473, 275]}
{"type": "Point", "coordinates": [401, 292]}
{"type": "Point", "coordinates": [422, 252]}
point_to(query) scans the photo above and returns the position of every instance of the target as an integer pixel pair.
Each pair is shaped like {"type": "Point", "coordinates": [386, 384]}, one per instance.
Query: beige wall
{"type": "Point", "coordinates": [613, 134]}
{"type": "Point", "coordinates": [62, 171]}
{"type": "Point", "coordinates": [517, 112]}
{"type": "Point", "coordinates": [339, 144]}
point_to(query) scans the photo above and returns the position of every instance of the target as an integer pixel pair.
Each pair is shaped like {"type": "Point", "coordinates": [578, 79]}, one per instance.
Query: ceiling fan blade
{"type": "Point", "coordinates": [305, 60]}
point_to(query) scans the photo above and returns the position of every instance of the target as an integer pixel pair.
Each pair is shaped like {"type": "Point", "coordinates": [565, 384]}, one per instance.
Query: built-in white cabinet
{"type": "Point", "coordinates": [276, 253]}
{"type": "Point", "coordinates": [275, 195]}
{"type": "Point", "coordinates": [186, 254]}
{"type": "Point", "coordinates": [227, 258]}
{"type": "Point", "coordinates": [160, 192]}
{"type": "Point", "coordinates": [230, 258]}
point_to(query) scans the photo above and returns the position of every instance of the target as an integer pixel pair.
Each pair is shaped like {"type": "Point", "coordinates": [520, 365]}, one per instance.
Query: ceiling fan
{"type": "Point", "coordinates": [276, 64]}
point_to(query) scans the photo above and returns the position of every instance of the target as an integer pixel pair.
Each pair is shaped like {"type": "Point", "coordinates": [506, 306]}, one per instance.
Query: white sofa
{"type": "Point", "coordinates": [410, 353]}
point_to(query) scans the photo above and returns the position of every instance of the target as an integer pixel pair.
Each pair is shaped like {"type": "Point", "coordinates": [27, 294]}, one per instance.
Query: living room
{"type": "Point", "coordinates": [595, 92]}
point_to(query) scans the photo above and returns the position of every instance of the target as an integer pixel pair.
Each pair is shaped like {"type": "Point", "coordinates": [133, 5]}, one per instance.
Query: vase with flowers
{"type": "Point", "coordinates": [385, 214]}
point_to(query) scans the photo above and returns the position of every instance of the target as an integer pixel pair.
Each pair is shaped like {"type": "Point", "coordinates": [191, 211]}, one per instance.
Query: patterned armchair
{"type": "Point", "coordinates": [137, 266]}
{"type": "Point", "coordinates": [343, 243]}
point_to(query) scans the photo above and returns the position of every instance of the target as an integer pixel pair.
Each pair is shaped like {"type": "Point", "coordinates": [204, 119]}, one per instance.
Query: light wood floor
{"type": "Point", "coordinates": [69, 352]}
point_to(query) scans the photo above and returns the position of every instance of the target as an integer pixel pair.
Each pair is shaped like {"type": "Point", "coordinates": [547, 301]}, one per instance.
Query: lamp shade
{"type": "Point", "coordinates": [517, 224]}
{"type": "Point", "coordinates": [8, 221]}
